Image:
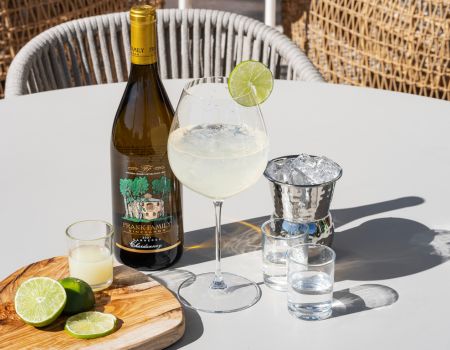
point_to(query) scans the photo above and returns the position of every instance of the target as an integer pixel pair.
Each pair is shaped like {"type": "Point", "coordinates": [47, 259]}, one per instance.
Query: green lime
{"type": "Point", "coordinates": [40, 300]}
{"type": "Point", "coordinates": [80, 296]}
{"type": "Point", "coordinates": [250, 83]}
{"type": "Point", "coordinates": [91, 324]}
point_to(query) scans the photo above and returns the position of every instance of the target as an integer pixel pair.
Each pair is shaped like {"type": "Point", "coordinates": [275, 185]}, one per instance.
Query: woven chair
{"type": "Point", "coordinates": [387, 44]}
{"type": "Point", "coordinates": [21, 20]}
{"type": "Point", "coordinates": [191, 43]}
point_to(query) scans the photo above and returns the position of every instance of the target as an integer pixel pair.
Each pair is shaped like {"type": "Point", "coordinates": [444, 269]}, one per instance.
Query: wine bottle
{"type": "Point", "coordinates": [146, 196]}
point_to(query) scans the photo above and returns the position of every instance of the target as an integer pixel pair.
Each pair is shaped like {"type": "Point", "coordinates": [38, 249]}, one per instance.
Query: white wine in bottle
{"type": "Point", "coordinates": [146, 195]}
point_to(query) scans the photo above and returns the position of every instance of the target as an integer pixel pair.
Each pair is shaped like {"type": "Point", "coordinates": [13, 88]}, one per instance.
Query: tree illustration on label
{"type": "Point", "coordinates": [126, 192]}
{"type": "Point", "coordinates": [140, 206]}
{"type": "Point", "coordinates": [162, 186]}
{"type": "Point", "coordinates": [140, 186]}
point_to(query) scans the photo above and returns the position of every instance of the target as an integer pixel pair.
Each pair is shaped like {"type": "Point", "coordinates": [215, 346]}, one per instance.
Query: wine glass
{"type": "Point", "coordinates": [217, 148]}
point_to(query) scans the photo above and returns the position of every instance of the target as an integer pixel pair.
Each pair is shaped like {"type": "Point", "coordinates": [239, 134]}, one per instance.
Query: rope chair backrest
{"type": "Point", "coordinates": [21, 21]}
{"type": "Point", "coordinates": [191, 43]}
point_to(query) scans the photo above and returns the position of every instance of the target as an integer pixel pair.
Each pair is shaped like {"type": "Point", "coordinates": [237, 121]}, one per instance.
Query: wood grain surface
{"type": "Point", "coordinates": [150, 317]}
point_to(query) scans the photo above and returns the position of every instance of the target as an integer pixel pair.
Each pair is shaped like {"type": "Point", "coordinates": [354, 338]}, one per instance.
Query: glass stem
{"type": "Point", "coordinates": [218, 282]}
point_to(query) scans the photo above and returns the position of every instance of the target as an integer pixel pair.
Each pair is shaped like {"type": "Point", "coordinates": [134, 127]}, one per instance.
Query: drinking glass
{"type": "Point", "coordinates": [90, 252]}
{"type": "Point", "coordinates": [310, 281]}
{"type": "Point", "coordinates": [217, 148]}
{"type": "Point", "coordinates": [278, 235]}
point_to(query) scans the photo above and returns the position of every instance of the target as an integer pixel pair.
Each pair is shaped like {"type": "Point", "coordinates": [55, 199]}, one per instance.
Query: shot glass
{"type": "Point", "coordinates": [278, 235]}
{"type": "Point", "coordinates": [310, 281]}
{"type": "Point", "coordinates": [90, 252]}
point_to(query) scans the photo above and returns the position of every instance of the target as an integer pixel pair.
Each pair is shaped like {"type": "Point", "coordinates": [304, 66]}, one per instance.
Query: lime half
{"type": "Point", "coordinates": [80, 296]}
{"type": "Point", "coordinates": [40, 300]}
{"type": "Point", "coordinates": [90, 324]}
{"type": "Point", "coordinates": [250, 83]}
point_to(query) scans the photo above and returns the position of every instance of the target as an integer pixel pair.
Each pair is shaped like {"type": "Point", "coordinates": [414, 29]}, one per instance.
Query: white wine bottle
{"type": "Point", "coordinates": [146, 195]}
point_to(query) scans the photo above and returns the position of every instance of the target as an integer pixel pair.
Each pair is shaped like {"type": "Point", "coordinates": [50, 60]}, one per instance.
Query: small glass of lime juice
{"type": "Point", "coordinates": [90, 252]}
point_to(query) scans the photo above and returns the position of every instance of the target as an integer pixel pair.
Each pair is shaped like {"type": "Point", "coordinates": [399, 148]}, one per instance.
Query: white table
{"type": "Point", "coordinates": [394, 148]}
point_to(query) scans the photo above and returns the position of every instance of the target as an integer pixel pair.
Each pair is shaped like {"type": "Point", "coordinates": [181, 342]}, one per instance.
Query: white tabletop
{"type": "Point", "coordinates": [391, 209]}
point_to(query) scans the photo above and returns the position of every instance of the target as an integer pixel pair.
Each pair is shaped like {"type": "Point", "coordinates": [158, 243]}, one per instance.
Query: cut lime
{"type": "Point", "coordinates": [250, 83]}
{"type": "Point", "coordinates": [40, 300]}
{"type": "Point", "coordinates": [80, 296]}
{"type": "Point", "coordinates": [90, 324]}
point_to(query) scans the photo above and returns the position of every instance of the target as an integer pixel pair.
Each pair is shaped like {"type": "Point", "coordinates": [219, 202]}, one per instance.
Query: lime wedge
{"type": "Point", "coordinates": [40, 300]}
{"type": "Point", "coordinates": [250, 83]}
{"type": "Point", "coordinates": [90, 324]}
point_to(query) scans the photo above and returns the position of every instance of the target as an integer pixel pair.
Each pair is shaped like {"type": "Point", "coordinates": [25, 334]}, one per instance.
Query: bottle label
{"type": "Point", "coordinates": [148, 201]}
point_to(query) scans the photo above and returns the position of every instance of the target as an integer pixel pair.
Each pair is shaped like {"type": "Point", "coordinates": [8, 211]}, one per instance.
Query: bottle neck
{"type": "Point", "coordinates": [143, 70]}
{"type": "Point", "coordinates": [143, 43]}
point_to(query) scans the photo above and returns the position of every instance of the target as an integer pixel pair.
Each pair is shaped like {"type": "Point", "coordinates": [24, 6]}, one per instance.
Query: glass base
{"type": "Point", "coordinates": [239, 293]}
{"type": "Point", "coordinates": [101, 286]}
{"type": "Point", "coordinates": [278, 283]}
{"type": "Point", "coordinates": [310, 312]}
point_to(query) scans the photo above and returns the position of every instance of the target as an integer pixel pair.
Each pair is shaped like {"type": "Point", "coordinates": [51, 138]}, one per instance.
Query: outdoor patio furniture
{"type": "Point", "coordinates": [21, 20]}
{"type": "Point", "coordinates": [389, 44]}
{"type": "Point", "coordinates": [191, 43]}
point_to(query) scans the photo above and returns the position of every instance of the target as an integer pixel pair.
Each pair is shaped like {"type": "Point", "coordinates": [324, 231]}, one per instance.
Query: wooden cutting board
{"type": "Point", "coordinates": [150, 317]}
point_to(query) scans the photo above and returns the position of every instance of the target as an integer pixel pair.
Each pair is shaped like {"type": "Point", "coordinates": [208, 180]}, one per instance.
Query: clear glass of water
{"type": "Point", "coordinates": [278, 235]}
{"type": "Point", "coordinates": [90, 252]}
{"type": "Point", "coordinates": [310, 281]}
{"type": "Point", "coordinates": [218, 149]}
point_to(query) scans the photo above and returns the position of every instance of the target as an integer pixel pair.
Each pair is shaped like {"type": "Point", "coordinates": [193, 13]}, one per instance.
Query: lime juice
{"type": "Point", "coordinates": [92, 264]}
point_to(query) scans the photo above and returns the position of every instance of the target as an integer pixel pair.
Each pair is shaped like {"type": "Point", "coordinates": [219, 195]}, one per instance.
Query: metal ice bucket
{"type": "Point", "coordinates": [307, 204]}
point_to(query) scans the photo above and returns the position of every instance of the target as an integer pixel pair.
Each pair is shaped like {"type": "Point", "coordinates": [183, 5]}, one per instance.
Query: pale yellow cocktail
{"type": "Point", "coordinates": [92, 264]}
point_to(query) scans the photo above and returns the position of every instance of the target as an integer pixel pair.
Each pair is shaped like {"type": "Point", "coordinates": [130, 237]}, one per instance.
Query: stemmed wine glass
{"type": "Point", "coordinates": [217, 148]}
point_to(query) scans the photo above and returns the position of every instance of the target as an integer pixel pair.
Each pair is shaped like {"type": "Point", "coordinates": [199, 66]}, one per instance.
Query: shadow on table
{"type": "Point", "coordinates": [172, 279]}
{"type": "Point", "coordinates": [388, 247]}
{"type": "Point", "coordinates": [194, 329]}
{"type": "Point", "coordinates": [377, 249]}
{"type": "Point", "coordinates": [346, 215]}
{"type": "Point", "coordinates": [237, 238]}
{"type": "Point", "coordinates": [362, 298]}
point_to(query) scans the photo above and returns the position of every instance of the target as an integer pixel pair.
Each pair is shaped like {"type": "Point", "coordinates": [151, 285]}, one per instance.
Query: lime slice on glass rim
{"type": "Point", "coordinates": [250, 83]}
{"type": "Point", "coordinates": [40, 300]}
{"type": "Point", "coordinates": [91, 324]}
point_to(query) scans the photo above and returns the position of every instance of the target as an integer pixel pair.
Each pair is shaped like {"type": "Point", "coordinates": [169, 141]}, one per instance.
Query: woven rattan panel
{"type": "Point", "coordinates": [400, 45]}
{"type": "Point", "coordinates": [3, 52]}
{"type": "Point", "coordinates": [21, 20]}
